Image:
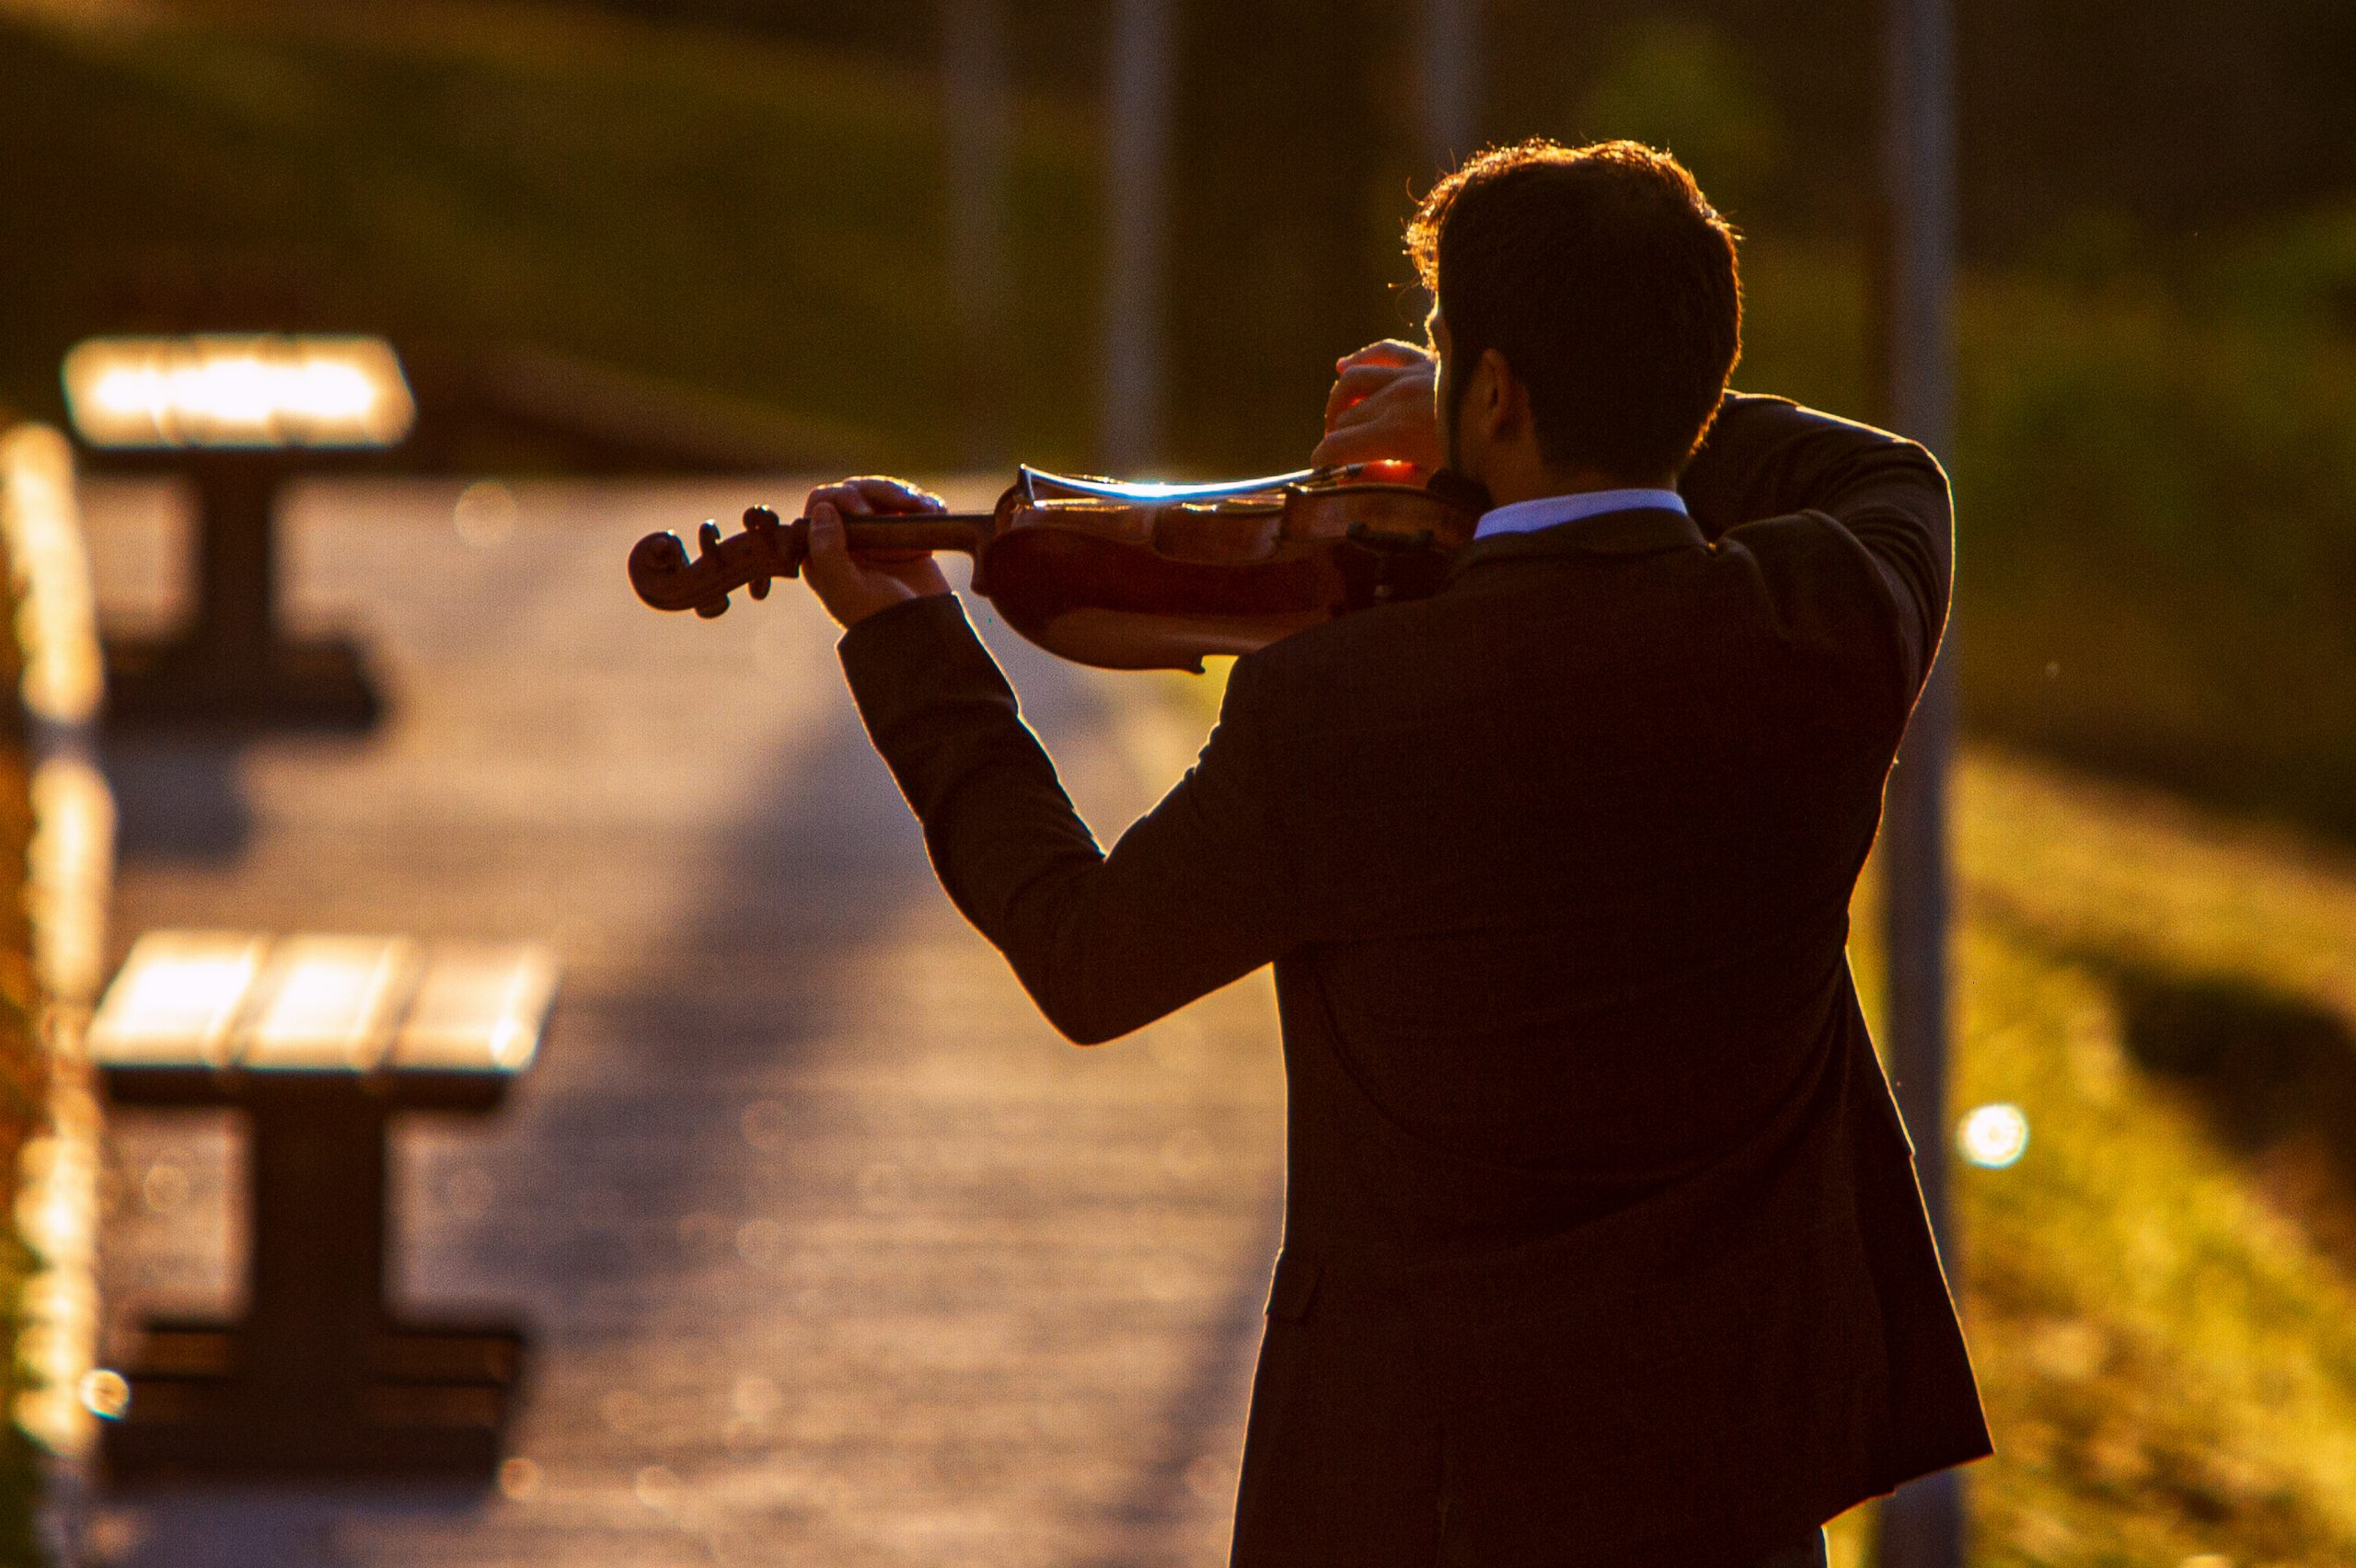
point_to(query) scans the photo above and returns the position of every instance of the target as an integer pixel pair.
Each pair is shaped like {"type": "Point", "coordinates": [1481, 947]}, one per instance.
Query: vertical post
{"type": "Point", "coordinates": [1136, 199]}
{"type": "Point", "coordinates": [1450, 53]}
{"type": "Point", "coordinates": [235, 629]}
{"type": "Point", "coordinates": [315, 1270]}
{"type": "Point", "coordinates": [978, 110]}
{"type": "Point", "coordinates": [1923, 1526]}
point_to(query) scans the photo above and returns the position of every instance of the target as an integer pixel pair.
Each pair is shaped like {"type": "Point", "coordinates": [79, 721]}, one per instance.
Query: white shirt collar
{"type": "Point", "coordinates": [1547, 510]}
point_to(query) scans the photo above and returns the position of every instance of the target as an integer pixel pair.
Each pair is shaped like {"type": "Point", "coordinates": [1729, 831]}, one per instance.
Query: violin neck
{"type": "Point", "coordinates": [962, 531]}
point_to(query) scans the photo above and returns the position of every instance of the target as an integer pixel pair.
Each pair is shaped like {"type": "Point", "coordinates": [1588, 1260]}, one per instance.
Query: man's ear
{"type": "Point", "coordinates": [1499, 399]}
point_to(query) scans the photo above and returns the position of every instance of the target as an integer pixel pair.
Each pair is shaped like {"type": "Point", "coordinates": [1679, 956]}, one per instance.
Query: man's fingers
{"type": "Point", "coordinates": [1355, 385]}
{"type": "Point", "coordinates": [1394, 423]}
{"type": "Point", "coordinates": [1374, 382]}
{"type": "Point", "coordinates": [870, 496]}
{"type": "Point", "coordinates": [854, 584]}
{"type": "Point", "coordinates": [920, 575]}
{"type": "Point", "coordinates": [826, 523]}
{"type": "Point", "coordinates": [884, 494]}
{"type": "Point", "coordinates": [1398, 403]}
{"type": "Point", "coordinates": [1360, 443]}
{"type": "Point", "coordinates": [828, 563]}
{"type": "Point", "coordinates": [830, 537]}
{"type": "Point", "coordinates": [843, 500]}
{"type": "Point", "coordinates": [1357, 374]}
{"type": "Point", "coordinates": [864, 497]}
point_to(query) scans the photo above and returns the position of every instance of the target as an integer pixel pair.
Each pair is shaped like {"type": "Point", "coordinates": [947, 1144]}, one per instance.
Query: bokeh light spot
{"type": "Point", "coordinates": [106, 1393]}
{"type": "Point", "coordinates": [165, 1187]}
{"type": "Point", "coordinates": [485, 514]}
{"type": "Point", "coordinates": [656, 1486]}
{"type": "Point", "coordinates": [1993, 1137]}
{"type": "Point", "coordinates": [518, 1478]}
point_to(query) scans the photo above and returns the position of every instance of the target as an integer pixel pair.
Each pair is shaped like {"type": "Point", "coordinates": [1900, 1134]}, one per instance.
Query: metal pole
{"type": "Point", "coordinates": [1450, 56]}
{"type": "Point", "coordinates": [979, 111]}
{"type": "Point", "coordinates": [1136, 201]}
{"type": "Point", "coordinates": [1923, 1526]}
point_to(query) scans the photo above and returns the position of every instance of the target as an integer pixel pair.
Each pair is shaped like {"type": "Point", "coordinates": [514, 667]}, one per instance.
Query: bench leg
{"type": "Point", "coordinates": [318, 1379]}
{"type": "Point", "coordinates": [234, 665]}
{"type": "Point", "coordinates": [315, 1270]}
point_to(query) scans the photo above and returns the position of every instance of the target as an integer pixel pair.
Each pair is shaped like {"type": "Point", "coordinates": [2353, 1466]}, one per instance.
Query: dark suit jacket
{"type": "Point", "coordinates": [1602, 1240]}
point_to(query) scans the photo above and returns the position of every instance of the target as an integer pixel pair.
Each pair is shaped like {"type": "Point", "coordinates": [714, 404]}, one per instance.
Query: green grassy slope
{"type": "Point", "coordinates": [2161, 1293]}
{"type": "Point", "coordinates": [750, 217]}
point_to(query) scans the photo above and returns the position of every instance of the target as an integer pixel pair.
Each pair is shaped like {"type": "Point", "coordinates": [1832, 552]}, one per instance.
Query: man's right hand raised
{"type": "Point", "coordinates": [1383, 408]}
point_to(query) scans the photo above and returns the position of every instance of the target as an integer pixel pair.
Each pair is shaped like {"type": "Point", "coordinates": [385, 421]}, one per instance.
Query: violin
{"type": "Point", "coordinates": [1132, 576]}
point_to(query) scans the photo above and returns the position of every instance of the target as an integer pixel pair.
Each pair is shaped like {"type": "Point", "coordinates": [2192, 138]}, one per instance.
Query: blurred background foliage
{"type": "Point", "coordinates": [2157, 458]}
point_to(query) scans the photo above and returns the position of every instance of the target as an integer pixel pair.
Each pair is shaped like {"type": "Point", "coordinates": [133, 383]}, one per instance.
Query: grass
{"type": "Point", "coordinates": [2161, 1293]}
{"type": "Point", "coordinates": [747, 215]}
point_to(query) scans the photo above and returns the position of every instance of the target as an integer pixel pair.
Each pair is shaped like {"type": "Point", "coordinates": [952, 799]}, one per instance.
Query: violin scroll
{"type": "Point", "coordinates": [664, 577]}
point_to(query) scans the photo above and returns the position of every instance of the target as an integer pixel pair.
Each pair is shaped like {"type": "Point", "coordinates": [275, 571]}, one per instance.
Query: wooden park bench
{"type": "Point", "coordinates": [318, 1040]}
{"type": "Point", "coordinates": [237, 415]}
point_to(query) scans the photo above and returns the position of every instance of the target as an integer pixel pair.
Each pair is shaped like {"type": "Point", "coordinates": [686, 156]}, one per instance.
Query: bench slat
{"type": "Point", "coordinates": [178, 1000]}
{"type": "Point", "coordinates": [193, 1008]}
{"type": "Point", "coordinates": [328, 1004]}
{"type": "Point", "coordinates": [478, 1009]}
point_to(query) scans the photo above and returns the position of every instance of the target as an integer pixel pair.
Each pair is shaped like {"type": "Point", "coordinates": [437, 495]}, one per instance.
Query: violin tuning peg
{"type": "Point", "coordinates": [709, 534]}
{"type": "Point", "coordinates": [759, 517]}
{"type": "Point", "coordinates": [758, 587]}
{"type": "Point", "coordinates": [713, 609]}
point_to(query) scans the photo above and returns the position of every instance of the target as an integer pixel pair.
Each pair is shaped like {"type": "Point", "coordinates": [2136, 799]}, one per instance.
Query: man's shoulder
{"type": "Point", "coordinates": [1516, 607]}
{"type": "Point", "coordinates": [1384, 649]}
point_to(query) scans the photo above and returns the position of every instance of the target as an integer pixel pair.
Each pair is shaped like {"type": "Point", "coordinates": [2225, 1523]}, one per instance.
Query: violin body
{"type": "Point", "coordinates": [1134, 577]}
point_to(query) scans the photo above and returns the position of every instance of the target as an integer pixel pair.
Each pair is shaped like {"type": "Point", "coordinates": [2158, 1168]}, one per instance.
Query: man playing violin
{"type": "Point", "coordinates": [1602, 1240]}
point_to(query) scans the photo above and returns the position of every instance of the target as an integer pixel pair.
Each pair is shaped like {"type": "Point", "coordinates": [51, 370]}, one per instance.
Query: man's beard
{"type": "Point", "coordinates": [1452, 480]}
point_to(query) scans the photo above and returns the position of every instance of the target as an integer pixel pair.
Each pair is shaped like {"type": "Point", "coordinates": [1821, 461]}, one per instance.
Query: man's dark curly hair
{"type": "Point", "coordinates": [1608, 283]}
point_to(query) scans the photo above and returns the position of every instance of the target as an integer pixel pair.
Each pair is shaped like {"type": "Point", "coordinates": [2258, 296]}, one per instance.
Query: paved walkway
{"type": "Point", "coordinates": [835, 1254]}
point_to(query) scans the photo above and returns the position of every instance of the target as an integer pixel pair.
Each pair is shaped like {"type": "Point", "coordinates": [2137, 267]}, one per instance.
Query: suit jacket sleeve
{"type": "Point", "coordinates": [1194, 894]}
{"type": "Point", "coordinates": [1768, 457]}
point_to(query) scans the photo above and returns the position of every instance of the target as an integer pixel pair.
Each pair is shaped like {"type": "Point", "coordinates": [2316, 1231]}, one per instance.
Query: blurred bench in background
{"type": "Point", "coordinates": [318, 1040]}
{"type": "Point", "coordinates": [239, 415]}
